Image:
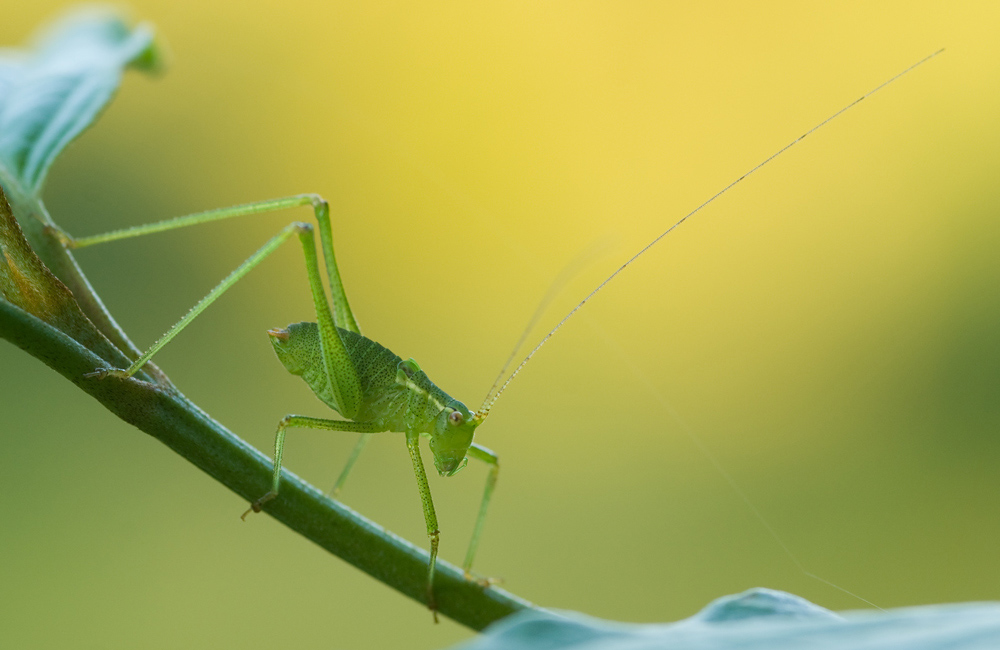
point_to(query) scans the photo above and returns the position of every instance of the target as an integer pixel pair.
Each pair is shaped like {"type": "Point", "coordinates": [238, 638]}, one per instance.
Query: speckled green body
{"type": "Point", "coordinates": [396, 395]}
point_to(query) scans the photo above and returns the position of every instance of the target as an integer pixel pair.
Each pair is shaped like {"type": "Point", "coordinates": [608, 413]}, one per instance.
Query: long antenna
{"type": "Point", "coordinates": [567, 274]}
{"type": "Point", "coordinates": [485, 410]}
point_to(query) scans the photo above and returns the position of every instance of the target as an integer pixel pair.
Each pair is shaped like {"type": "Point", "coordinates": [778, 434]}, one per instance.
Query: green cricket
{"type": "Point", "coordinates": [366, 383]}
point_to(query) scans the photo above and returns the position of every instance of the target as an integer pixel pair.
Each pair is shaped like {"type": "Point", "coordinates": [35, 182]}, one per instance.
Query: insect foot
{"type": "Point", "coordinates": [435, 537]}
{"type": "Point", "coordinates": [482, 581]}
{"type": "Point", "coordinates": [59, 235]}
{"type": "Point", "coordinates": [257, 505]}
{"type": "Point", "coordinates": [102, 373]}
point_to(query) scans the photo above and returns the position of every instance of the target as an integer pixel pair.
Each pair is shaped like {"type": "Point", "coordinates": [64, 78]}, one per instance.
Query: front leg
{"type": "Point", "coordinates": [303, 422]}
{"type": "Point", "coordinates": [489, 457]}
{"type": "Point", "coordinates": [430, 517]}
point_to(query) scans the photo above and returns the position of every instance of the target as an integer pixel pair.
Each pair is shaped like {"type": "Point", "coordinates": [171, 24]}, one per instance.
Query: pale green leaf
{"type": "Point", "coordinates": [50, 93]}
{"type": "Point", "coordinates": [760, 619]}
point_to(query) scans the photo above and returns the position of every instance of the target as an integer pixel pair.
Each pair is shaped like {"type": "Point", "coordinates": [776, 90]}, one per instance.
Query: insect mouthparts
{"type": "Point", "coordinates": [281, 335]}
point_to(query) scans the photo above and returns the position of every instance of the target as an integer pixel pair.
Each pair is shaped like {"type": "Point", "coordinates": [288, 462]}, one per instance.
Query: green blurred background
{"type": "Point", "coordinates": [830, 330]}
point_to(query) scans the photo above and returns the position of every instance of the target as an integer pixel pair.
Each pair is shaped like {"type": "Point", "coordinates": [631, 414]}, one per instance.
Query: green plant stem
{"type": "Point", "coordinates": [181, 425]}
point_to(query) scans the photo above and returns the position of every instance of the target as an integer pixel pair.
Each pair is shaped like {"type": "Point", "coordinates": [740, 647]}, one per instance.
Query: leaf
{"type": "Point", "coordinates": [759, 619]}
{"type": "Point", "coordinates": [24, 280]}
{"type": "Point", "coordinates": [49, 95]}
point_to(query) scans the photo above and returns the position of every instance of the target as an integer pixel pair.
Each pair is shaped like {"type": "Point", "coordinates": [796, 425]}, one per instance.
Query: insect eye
{"type": "Point", "coordinates": [455, 417]}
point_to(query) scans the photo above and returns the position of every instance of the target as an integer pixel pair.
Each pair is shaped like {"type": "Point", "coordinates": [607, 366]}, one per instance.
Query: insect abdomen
{"type": "Point", "coordinates": [382, 398]}
{"type": "Point", "coordinates": [411, 404]}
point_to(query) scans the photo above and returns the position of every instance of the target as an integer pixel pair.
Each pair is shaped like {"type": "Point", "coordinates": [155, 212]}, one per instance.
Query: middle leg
{"type": "Point", "coordinates": [489, 457]}
{"type": "Point", "coordinates": [303, 422]}
{"type": "Point", "coordinates": [430, 517]}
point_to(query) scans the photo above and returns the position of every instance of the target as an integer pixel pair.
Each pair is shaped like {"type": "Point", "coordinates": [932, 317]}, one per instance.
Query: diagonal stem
{"type": "Point", "coordinates": [178, 423]}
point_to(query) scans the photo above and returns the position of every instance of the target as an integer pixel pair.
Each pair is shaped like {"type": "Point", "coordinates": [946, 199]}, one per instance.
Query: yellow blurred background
{"type": "Point", "coordinates": [829, 330]}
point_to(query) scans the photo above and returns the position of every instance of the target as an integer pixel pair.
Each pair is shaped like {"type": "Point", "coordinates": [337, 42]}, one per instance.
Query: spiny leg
{"type": "Point", "coordinates": [217, 214]}
{"type": "Point", "coordinates": [273, 244]}
{"type": "Point", "coordinates": [430, 517]}
{"type": "Point", "coordinates": [303, 422]}
{"type": "Point", "coordinates": [345, 387]}
{"type": "Point", "coordinates": [487, 456]}
{"type": "Point", "coordinates": [344, 384]}
{"type": "Point", "coordinates": [341, 309]}
{"type": "Point", "coordinates": [343, 316]}
{"type": "Point", "coordinates": [362, 441]}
